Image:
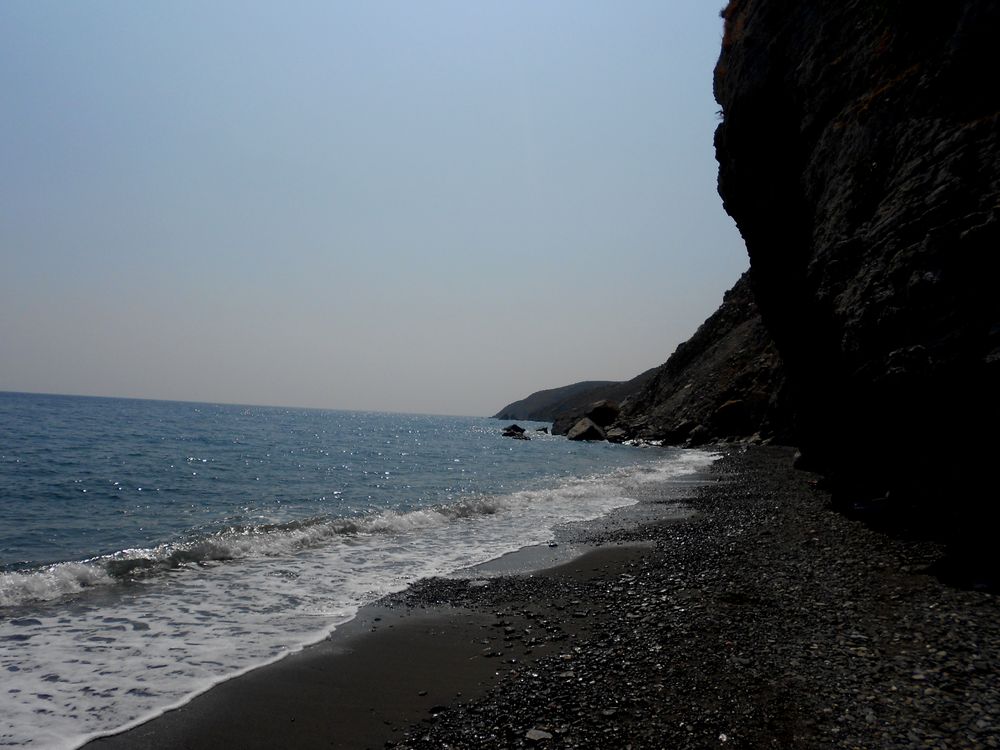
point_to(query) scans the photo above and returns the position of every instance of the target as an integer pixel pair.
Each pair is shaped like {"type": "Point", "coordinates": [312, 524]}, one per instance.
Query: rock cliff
{"type": "Point", "coordinates": [859, 154]}
{"type": "Point", "coordinates": [725, 381]}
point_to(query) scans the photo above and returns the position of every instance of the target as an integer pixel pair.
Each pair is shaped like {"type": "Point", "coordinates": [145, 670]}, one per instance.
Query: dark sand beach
{"type": "Point", "coordinates": [765, 620]}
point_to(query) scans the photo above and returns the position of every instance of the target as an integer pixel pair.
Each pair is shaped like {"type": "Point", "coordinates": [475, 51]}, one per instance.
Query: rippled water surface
{"type": "Point", "coordinates": [151, 549]}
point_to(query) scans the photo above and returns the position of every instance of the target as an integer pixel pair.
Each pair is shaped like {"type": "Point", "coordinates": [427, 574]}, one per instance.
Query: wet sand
{"type": "Point", "coordinates": [394, 665]}
{"type": "Point", "coordinates": [384, 670]}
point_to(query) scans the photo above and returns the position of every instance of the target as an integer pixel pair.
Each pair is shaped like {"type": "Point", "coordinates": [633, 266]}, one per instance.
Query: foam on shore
{"type": "Point", "coordinates": [119, 655]}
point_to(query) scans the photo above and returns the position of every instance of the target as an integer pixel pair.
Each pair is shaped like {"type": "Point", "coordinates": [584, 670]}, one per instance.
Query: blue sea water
{"type": "Point", "coordinates": [150, 549]}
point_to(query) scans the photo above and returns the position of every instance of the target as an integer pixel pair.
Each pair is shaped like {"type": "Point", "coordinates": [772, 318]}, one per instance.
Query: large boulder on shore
{"type": "Point", "coordinates": [603, 413]}
{"type": "Point", "coordinates": [586, 429]}
{"type": "Point", "coordinates": [616, 435]}
{"type": "Point", "coordinates": [562, 424]}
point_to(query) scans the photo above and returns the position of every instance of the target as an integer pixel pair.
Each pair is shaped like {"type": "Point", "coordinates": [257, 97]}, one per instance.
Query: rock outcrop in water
{"type": "Point", "coordinates": [859, 154]}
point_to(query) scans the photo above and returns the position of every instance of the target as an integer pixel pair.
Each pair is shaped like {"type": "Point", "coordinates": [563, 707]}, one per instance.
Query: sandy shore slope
{"type": "Point", "coordinates": [766, 620]}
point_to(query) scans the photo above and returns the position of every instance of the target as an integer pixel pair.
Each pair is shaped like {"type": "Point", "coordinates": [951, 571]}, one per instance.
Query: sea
{"type": "Point", "coordinates": [151, 549]}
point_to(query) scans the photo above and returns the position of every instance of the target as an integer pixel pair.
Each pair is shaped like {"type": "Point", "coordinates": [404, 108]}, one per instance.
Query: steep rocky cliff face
{"type": "Point", "coordinates": [859, 154]}
{"type": "Point", "coordinates": [725, 381]}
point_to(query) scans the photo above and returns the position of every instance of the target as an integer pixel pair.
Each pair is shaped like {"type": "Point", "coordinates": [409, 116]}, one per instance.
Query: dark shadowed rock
{"type": "Point", "coordinates": [515, 431]}
{"type": "Point", "coordinates": [859, 154]}
{"type": "Point", "coordinates": [562, 424]}
{"type": "Point", "coordinates": [739, 417]}
{"type": "Point", "coordinates": [586, 429]}
{"type": "Point", "coordinates": [616, 435]}
{"type": "Point", "coordinates": [698, 436]}
{"type": "Point", "coordinates": [602, 413]}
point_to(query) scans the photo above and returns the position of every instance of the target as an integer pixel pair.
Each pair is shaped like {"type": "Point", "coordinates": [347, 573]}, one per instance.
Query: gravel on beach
{"type": "Point", "coordinates": [766, 620]}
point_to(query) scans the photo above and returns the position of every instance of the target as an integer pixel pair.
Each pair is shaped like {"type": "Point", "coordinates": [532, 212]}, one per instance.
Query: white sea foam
{"type": "Point", "coordinates": [78, 667]}
{"type": "Point", "coordinates": [55, 581]}
{"type": "Point", "coordinates": [50, 582]}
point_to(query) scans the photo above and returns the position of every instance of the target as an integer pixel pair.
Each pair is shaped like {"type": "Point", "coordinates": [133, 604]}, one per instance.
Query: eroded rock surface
{"type": "Point", "coordinates": [859, 156]}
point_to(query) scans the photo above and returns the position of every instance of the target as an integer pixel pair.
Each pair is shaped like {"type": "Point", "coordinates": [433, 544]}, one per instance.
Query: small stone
{"type": "Point", "coordinates": [537, 735]}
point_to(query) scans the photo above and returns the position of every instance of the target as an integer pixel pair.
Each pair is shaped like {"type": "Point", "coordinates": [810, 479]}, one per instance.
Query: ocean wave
{"type": "Point", "coordinates": [50, 582]}
{"type": "Point", "coordinates": [285, 539]}
{"type": "Point", "coordinates": [257, 541]}
{"type": "Point", "coordinates": [683, 464]}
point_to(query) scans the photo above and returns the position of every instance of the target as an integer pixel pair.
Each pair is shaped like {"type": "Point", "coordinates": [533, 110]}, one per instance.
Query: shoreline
{"type": "Point", "coordinates": [396, 663]}
{"type": "Point", "coordinates": [416, 625]}
{"type": "Point", "coordinates": [120, 655]}
{"type": "Point", "coordinates": [766, 620]}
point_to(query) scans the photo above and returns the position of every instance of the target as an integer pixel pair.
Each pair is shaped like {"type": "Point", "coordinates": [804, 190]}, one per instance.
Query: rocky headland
{"type": "Point", "coordinates": [859, 154]}
{"type": "Point", "coordinates": [553, 403]}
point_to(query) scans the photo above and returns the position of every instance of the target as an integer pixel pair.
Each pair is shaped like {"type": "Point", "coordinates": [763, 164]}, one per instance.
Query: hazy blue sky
{"type": "Point", "coordinates": [418, 206]}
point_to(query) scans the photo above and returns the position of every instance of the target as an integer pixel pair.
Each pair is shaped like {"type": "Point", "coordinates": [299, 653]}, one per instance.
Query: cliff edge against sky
{"type": "Point", "coordinates": [859, 155]}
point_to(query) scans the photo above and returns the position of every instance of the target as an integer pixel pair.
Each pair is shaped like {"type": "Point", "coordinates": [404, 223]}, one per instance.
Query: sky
{"type": "Point", "coordinates": [434, 207]}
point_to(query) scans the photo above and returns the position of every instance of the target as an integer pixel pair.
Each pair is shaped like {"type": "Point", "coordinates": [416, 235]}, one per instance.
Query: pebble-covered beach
{"type": "Point", "coordinates": [764, 620]}
{"type": "Point", "coordinates": [767, 620]}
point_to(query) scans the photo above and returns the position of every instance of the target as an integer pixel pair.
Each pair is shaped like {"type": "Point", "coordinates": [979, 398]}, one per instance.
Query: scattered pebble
{"type": "Point", "coordinates": [728, 629]}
